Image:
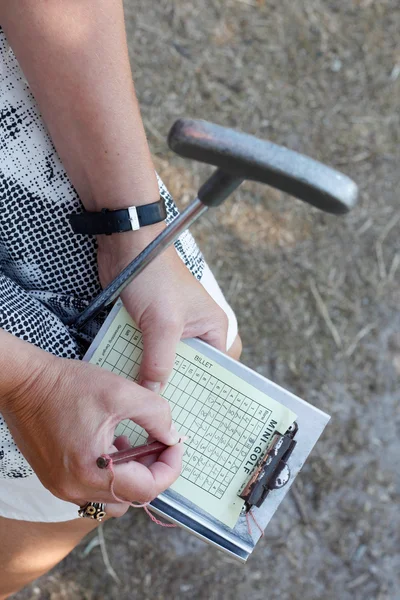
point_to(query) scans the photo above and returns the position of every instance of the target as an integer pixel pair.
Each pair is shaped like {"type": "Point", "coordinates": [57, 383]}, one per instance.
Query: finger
{"type": "Point", "coordinates": [217, 333]}
{"type": "Point", "coordinates": [159, 345]}
{"type": "Point", "coordinates": [114, 509]}
{"type": "Point", "coordinates": [236, 348]}
{"type": "Point", "coordinates": [137, 483]}
{"type": "Point", "coordinates": [168, 466]}
{"type": "Point", "coordinates": [146, 409]}
{"type": "Point", "coordinates": [148, 460]}
{"type": "Point", "coordinates": [122, 443]}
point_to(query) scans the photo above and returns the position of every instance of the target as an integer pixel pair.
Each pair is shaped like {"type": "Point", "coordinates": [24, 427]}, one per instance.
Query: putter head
{"type": "Point", "coordinates": [241, 156]}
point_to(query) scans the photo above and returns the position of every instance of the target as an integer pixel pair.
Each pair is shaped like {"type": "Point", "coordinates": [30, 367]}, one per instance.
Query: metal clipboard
{"type": "Point", "coordinates": [237, 542]}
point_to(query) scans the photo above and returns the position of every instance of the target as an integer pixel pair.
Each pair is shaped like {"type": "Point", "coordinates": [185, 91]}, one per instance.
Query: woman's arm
{"type": "Point", "coordinates": [75, 58]}
{"type": "Point", "coordinates": [74, 55]}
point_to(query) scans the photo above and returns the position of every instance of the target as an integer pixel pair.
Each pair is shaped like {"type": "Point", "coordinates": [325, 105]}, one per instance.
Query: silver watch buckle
{"type": "Point", "coordinates": [133, 217]}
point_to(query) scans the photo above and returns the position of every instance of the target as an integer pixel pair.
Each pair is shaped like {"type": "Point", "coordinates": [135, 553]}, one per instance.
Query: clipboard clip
{"type": "Point", "coordinates": [272, 471]}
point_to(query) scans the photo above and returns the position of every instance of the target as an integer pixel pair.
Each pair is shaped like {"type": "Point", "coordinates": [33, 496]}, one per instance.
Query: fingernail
{"type": "Point", "coordinates": [153, 386]}
{"type": "Point", "coordinates": [175, 435]}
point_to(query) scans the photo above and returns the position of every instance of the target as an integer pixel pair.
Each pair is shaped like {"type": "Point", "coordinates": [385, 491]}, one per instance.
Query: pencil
{"type": "Point", "coordinates": [131, 454]}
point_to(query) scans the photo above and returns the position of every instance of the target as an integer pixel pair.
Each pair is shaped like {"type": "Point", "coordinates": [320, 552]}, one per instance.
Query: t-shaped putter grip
{"type": "Point", "coordinates": [240, 156]}
{"type": "Point", "coordinates": [237, 157]}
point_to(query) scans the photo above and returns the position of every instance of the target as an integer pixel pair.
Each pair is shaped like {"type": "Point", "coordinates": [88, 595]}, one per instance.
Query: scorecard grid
{"type": "Point", "coordinates": [222, 423]}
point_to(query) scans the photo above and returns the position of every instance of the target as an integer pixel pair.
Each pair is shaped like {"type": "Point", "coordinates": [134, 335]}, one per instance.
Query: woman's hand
{"type": "Point", "coordinates": [165, 301]}
{"type": "Point", "coordinates": [63, 416]}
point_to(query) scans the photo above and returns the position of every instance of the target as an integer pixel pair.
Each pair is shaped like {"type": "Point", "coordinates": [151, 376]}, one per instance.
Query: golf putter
{"type": "Point", "coordinates": [237, 156]}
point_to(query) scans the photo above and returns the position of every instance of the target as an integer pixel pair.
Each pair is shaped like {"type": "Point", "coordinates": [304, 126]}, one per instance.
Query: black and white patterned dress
{"type": "Point", "coordinates": [46, 272]}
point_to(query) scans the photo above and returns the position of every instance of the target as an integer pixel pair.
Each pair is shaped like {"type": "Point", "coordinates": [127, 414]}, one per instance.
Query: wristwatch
{"type": "Point", "coordinates": [118, 221]}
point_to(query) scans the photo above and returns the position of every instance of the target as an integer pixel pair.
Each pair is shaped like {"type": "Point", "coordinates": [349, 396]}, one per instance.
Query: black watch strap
{"type": "Point", "coordinates": [118, 221]}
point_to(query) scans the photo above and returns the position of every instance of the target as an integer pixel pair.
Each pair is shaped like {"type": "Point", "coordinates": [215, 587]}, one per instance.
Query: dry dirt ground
{"type": "Point", "coordinates": [317, 297]}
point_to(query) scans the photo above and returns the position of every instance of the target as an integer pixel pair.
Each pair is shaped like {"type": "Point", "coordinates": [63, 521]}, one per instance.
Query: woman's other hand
{"type": "Point", "coordinates": [165, 301]}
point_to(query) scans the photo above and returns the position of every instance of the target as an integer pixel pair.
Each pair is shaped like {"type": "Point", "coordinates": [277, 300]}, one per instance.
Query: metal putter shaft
{"type": "Point", "coordinates": [238, 156]}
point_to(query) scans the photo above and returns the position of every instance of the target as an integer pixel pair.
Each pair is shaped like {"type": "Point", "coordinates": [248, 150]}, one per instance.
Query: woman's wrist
{"type": "Point", "coordinates": [130, 241]}
{"type": "Point", "coordinates": [115, 252]}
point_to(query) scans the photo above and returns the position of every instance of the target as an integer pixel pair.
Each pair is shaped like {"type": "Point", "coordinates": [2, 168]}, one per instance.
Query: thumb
{"type": "Point", "coordinates": [159, 346]}
{"type": "Point", "coordinates": [148, 410]}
